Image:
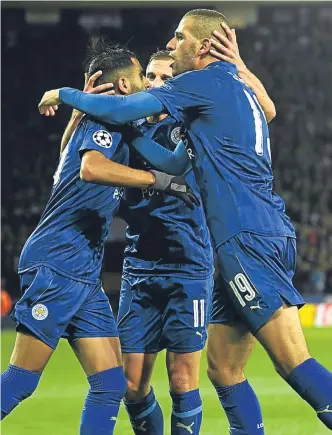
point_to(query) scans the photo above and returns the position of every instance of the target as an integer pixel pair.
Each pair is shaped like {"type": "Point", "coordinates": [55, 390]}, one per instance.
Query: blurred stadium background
{"type": "Point", "coordinates": [289, 47]}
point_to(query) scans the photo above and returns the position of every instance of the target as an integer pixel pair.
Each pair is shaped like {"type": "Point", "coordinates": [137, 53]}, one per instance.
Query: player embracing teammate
{"type": "Point", "coordinates": [252, 235]}
{"type": "Point", "coordinates": [61, 261]}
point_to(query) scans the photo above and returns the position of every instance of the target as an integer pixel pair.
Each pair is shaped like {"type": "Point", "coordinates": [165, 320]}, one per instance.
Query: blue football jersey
{"type": "Point", "coordinates": [164, 236]}
{"type": "Point", "coordinates": [72, 230]}
{"type": "Point", "coordinates": [229, 133]}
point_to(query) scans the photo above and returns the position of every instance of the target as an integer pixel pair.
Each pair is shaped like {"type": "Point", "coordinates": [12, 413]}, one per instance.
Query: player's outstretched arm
{"type": "Point", "coordinates": [226, 48]}
{"type": "Point", "coordinates": [111, 109]}
{"type": "Point", "coordinates": [175, 162]}
{"type": "Point", "coordinates": [96, 168]}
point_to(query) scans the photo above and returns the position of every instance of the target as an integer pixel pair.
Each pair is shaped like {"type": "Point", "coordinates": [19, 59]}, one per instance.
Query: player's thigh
{"type": "Point", "coordinates": [97, 354]}
{"type": "Point", "coordinates": [223, 311]}
{"type": "Point", "coordinates": [93, 334]}
{"type": "Point", "coordinates": [29, 352]}
{"type": "Point", "coordinates": [183, 371]}
{"type": "Point", "coordinates": [138, 369]}
{"type": "Point", "coordinates": [228, 350]}
{"type": "Point", "coordinates": [186, 314]}
{"type": "Point", "coordinates": [47, 305]}
{"type": "Point", "coordinates": [140, 314]}
{"type": "Point", "coordinates": [282, 337]}
{"type": "Point", "coordinates": [257, 275]}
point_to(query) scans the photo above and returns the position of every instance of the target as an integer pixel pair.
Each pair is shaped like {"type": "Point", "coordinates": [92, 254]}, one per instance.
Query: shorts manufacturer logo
{"type": "Point", "coordinates": [39, 312]}
{"type": "Point", "coordinates": [102, 138]}
{"type": "Point", "coordinates": [255, 307]}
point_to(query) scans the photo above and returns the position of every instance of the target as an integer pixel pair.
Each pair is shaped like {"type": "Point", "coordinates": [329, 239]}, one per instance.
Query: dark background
{"type": "Point", "coordinates": [289, 47]}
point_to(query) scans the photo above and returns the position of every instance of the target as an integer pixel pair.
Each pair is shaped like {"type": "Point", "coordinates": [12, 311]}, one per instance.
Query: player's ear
{"type": "Point", "coordinates": [204, 47]}
{"type": "Point", "coordinates": [124, 85]}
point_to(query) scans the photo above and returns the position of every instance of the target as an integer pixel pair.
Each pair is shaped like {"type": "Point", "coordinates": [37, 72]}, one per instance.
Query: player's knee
{"type": "Point", "coordinates": [137, 390]}
{"type": "Point", "coordinates": [179, 382]}
{"type": "Point", "coordinates": [285, 365]}
{"type": "Point", "coordinates": [17, 384]}
{"type": "Point", "coordinates": [225, 373]}
{"type": "Point", "coordinates": [108, 386]}
{"type": "Point", "coordinates": [283, 368]}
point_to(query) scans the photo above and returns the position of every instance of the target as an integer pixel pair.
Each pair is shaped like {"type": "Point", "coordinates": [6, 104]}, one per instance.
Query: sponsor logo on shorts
{"type": "Point", "coordinates": [39, 312]}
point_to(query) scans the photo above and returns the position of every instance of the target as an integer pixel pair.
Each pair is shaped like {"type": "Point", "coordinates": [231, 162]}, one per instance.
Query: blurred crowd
{"type": "Point", "coordinates": [290, 52]}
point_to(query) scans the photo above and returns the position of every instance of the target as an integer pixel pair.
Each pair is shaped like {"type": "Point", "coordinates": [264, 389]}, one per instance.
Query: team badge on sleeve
{"type": "Point", "coordinates": [176, 135]}
{"type": "Point", "coordinates": [102, 138]}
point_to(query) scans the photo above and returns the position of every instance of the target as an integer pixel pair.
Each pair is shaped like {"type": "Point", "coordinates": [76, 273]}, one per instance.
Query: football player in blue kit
{"type": "Point", "coordinates": [60, 263]}
{"type": "Point", "coordinates": [160, 248]}
{"type": "Point", "coordinates": [167, 286]}
{"type": "Point", "coordinates": [167, 281]}
{"type": "Point", "coordinates": [253, 237]}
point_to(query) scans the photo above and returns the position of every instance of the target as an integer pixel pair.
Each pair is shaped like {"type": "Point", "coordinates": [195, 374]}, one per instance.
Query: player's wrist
{"type": "Point", "coordinates": [161, 180]}
{"type": "Point", "coordinates": [242, 69]}
{"type": "Point", "coordinates": [152, 178]}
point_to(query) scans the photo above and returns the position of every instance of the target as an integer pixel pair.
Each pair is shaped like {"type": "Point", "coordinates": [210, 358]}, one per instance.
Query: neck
{"type": "Point", "coordinates": [156, 118]}
{"type": "Point", "coordinates": [205, 61]}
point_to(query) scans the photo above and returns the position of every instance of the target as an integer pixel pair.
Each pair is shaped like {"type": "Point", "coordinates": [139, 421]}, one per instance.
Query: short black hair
{"type": "Point", "coordinates": [109, 57]}
{"type": "Point", "coordinates": [160, 55]}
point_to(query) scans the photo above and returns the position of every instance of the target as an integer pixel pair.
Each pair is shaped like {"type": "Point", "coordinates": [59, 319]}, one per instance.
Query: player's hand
{"type": "Point", "coordinates": [89, 82]}
{"type": "Point", "coordinates": [175, 186]}
{"type": "Point", "coordinates": [226, 47]}
{"type": "Point", "coordinates": [89, 85]}
{"type": "Point", "coordinates": [49, 101]}
{"type": "Point", "coordinates": [89, 88]}
{"type": "Point", "coordinates": [50, 111]}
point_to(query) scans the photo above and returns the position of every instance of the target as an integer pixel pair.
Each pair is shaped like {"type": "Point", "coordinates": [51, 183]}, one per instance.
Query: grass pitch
{"type": "Point", "coordinates": [56, 406]}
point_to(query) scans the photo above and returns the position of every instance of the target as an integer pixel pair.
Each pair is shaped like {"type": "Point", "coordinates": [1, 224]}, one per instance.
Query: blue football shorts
{"type": "Point", "coordinates": [54, 306]}
{"type": "Point", "coordinates": [255, 279]}
{"type": "Point", "coordinates": [158, 313]}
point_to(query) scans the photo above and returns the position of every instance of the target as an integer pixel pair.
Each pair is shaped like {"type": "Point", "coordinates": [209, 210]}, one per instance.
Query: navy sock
{"type": "Point", "coordinates": [186, 413]}
{"type": "Point", "coordinates": [146, 415]}
{"type": "Point", "coordinates": [102, 403]}
{"type": "Point", "coordinates": [16, 385]}
{"type": "Point", "coordinates": [242, 408]}
{"type": "Point", "coordinates": [313, 383]}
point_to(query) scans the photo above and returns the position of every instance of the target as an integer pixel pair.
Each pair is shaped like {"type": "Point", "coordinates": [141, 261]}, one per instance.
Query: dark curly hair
{"type": "Point", "coordinates": [109, 57]}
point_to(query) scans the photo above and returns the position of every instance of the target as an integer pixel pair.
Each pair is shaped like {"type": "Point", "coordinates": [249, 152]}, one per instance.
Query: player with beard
{"type": "Point", "coordinates": [253, 237]}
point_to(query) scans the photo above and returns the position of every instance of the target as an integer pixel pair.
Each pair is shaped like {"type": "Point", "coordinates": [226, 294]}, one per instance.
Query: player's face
{"type": "Point", "coordinates": [184, 48]}
{"type": "Point", "coordinates": [138, 81]}
{"type": "Point", "coordinates": [158, 71]}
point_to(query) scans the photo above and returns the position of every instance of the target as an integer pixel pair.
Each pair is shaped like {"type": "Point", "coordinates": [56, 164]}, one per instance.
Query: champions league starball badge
{"type": "Point", "coordinates": [102, 138]}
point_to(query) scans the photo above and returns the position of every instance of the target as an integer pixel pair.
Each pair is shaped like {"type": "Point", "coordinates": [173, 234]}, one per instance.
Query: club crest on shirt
{"type": "Point", "coordinates": [102, 138]}
{"type": "Point", "coordinates": [176, 135]}
{"type": "Point", "coordinates": [39, 312]}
